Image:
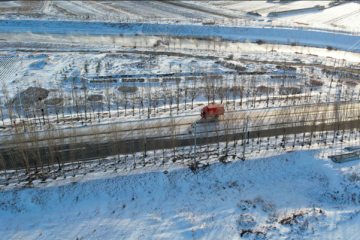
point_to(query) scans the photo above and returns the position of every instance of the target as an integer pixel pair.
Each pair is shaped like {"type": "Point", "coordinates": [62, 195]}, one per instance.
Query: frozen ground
{"type": "Point", "coordinates": [275, 194]}
{"type": "Point", "coordinates": [265, 7]}
{"type": "Point", "coordinates": [7, 4]}
{"type": "Point", "coordinates": [332, 16]}
{"type": "Point", "coordinates": [344, 16]}
{"type": "Point", "coordinates": [56, 72]}
{"type": "Point", "coordinates": [73, 8]}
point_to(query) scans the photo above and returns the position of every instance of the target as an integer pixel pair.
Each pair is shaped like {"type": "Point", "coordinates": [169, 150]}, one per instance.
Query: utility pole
{"type": "Point", "coordinates": [246, 129]}
{"type": "Point", "coordinates": [142, 99]}
{"type": "Point", "coordinates": [194, 134]}
{"type": "Point", "coordinates": [149, 89]}
{"type": "Point", "coordinates": [143, 129]}
{"type": "Point", "coordinates": [195, 147]}
{"type": "Point", "coordinates": [267, 102]}
{"type": "Point", "coordinates": [19, 99]}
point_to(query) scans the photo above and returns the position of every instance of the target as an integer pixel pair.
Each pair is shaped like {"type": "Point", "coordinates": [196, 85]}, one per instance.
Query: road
{"type": "Point", "coordinates": [127, 138]}
{"type": "Point", "coordinates": [265, 118]}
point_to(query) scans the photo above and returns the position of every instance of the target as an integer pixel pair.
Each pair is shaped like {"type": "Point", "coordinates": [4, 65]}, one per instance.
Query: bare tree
{"type": "Point", "coordinates": [100, 106]}
{"type": "Point", "coordinates": [117, 101]}
{"type": "Point", "coordinates": [161, 131]}
{"type": "Point", "coordinates": [57, 103]}
{"type": "Point", "coordinates": [218, 129]}
{"type": "Point", "coordinates": [208, 90]}
{"type": "Point", "coordinates": [173, 129]}
{"type": "Point", "coordinates": [2, 112]}
{"type": "Point", "coordinates": [221, 91]}
{"type": "Point", "coordinates": [86, 95]}
{"type": "Point", "coordinates": [50, 141]}
{"type": "Point", "coordinates": [207, 130]}
{"type": "Point", "coordinates": [177, 95]}
{"type": "Point", "coordinates": [93, 105]}
{"type": "Point", "coordinates": [156, 104]}
{"type": "Point", "coordinates": [125, 98]}
{"type": "Point", "coordinates": [3, 167]}
{"type": "Point", "coordinates": [9, 104]}
{"type": "Point", "coordinates": [60, 156]}
{"type": "Point", "coordinates": [227, 125]}
{"type": "Point", "coordinates": [18, 108]}
{"type": "Point", "coordinates": [193, 92]}
{"type": "Point", "coordinates": [235, 92]}
{"type": "Point", "coordinates": [108, 98]}
{"type": "Point", "coordinates": [115, 148]}
{"type": "Point", "coordinates": [170, 98]}
{"type": "Point", "coordinates": [35, 150]}
{"type": "Point", "coordinates": [77, 101]}
{"type": "Point", "coordinates": [62, 96]}
{"type": "Point", "coordinates": [73, 145]}
{"type": "Point", "coordinates": [133, 103]}
{"type": "Point", "coordinates": [164, 98]}
{"type": "Point", "coordinates": [186, 93]}
{"type": "Point", "coordinates": [21, 150]}
{"type": "Point", "coordinates": [212, 88]}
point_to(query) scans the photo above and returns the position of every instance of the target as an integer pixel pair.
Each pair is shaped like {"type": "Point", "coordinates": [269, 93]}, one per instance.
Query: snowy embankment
{"type": "Point", "coordinates": [220, 201]}
{"type": "Point", "coordinates": [252, 34]}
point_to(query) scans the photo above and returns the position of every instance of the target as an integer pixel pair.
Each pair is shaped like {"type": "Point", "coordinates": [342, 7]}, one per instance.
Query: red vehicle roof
{"type": "Point", "coordinates": [215, 106]}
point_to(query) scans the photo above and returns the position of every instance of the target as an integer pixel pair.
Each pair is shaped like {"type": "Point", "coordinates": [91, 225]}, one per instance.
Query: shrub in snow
{"type": "Point", "coordinates": [246, 220]}
{"type": "Point", "coordinates": [354, 177]}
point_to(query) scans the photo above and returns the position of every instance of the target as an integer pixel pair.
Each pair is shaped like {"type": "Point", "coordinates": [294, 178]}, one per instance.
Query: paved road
{"type": "Point", "coordinates": [259, 119]}
{"type": "Point", "coordinates": [80, 150]}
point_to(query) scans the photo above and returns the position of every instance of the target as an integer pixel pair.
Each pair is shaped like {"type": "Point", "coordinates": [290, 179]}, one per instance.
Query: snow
{"type": "Point", "coordinates": [180, 204]}
{"type": "Point", "coordinates": [345, 16]}
{"type": "Point", "coordinates": [148, 9]}
{"type": "Point", "coordinates": [8, 4]}
{"type": "Point", "coordinates": [277, 193]}
{"type": "Point", "coordinates": [265, 7]}
{"type": "Point", "coordinates": [22, 73]}
{"type": "Point", "coordinates": [73, 8]}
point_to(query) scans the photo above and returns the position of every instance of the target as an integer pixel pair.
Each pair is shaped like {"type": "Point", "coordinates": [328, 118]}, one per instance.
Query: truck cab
{"type": "Point", "coordinates": [212, 111]}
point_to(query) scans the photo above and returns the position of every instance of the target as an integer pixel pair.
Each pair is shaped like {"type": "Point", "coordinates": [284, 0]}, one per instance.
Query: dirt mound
{"type": "Point", "coordinates": [316, 83]}
{"type": "Point", "coordinates": [126, 89]}
{"type": "Point", "coordinates": [31, 96]}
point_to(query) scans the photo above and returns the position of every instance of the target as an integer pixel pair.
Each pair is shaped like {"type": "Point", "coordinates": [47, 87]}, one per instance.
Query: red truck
{"type": "Point", "coordinates": [212, 111]}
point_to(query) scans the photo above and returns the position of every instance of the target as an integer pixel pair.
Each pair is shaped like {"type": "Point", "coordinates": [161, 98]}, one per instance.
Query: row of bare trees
{"type": "Point", "coordinates": [76, 101]}
{"type": "Point", "coordinates": [55, 153]}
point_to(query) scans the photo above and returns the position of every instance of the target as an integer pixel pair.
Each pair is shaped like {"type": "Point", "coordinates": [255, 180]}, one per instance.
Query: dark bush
{"type": "Point", "coordinates": [260, 42]}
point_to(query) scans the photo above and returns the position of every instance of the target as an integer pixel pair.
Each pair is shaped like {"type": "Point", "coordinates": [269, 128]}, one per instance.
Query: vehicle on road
{"type": "Point", "coordinates": [212, 111]}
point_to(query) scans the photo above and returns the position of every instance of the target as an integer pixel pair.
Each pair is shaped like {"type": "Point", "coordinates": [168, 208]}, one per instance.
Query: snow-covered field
{"type": "Point", "coordinates": [7, 4]}
{"type": "Point", "coordinates": [332, 16]}
{"type": "Point", "coordinates": [274, 194]}
{"type": "Point", "coordinates": [75, 9]}
{"type": "Point", "coordinates": [62, 74]}
{"type": "Point", "coordinates": [127, 56]}
{"type": "Point", "coordinates": [344, 16]}
{"type": "Point", "coordinates": [265, 7]}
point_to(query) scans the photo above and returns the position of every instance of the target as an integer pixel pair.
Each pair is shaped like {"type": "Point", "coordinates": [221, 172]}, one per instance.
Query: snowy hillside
{"type": "Point", "coordinates": [273, 195]}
